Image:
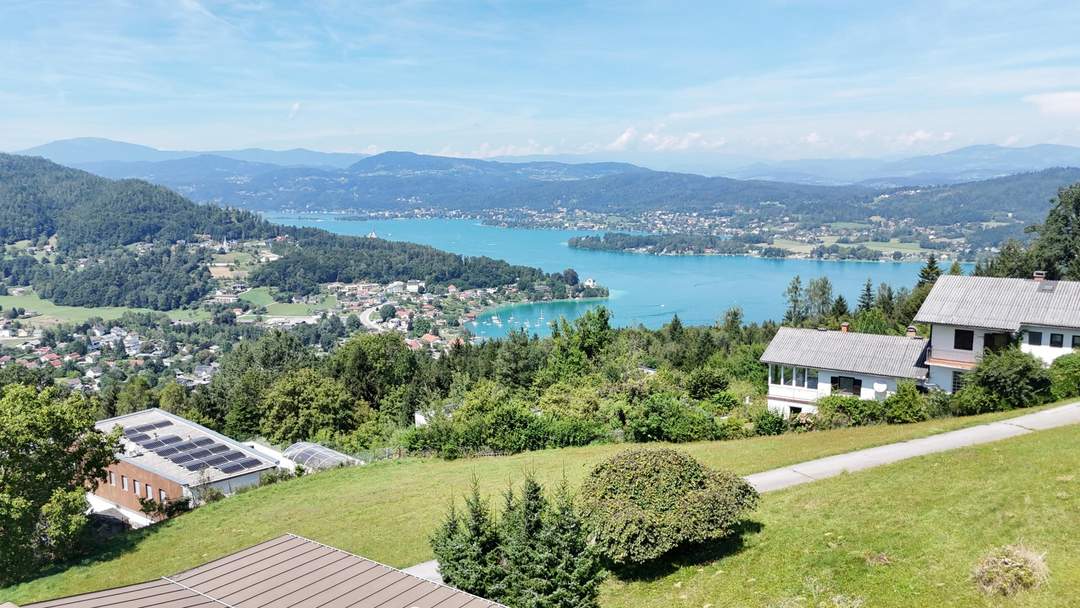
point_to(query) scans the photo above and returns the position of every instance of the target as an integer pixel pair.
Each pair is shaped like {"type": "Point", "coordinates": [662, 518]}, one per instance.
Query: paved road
{"type": "Point", "coordinates": [365, 318]}
{"type": "Point", "coordinates": [831, 466]}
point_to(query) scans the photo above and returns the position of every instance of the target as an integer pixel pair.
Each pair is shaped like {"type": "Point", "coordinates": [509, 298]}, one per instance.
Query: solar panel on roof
{"type": "Point", "coordinates": [130, 432]}
{"type": "Point", "coordinates": [150, 445]}
{"type": "Point", "coordinates": [235, 455]}
{"type": "Point", "coordinates": [187, 445]}
{"type": "Point", "coordinates": [215, 460]}
{"type": "Point", "coordinates": [196, 465]}
{"type": "Point", "coordinates": [181, 458]}
{"type": "Point", "coordinates": [202, 441]}
{"type": "Point", "coordinates": [139, 437]}
{"type": "Point", "coordinates": [168, 439]}
{"type": "Point", "coordinates": [218, 448]}
{"type": "Point", "coordinates": [203, 453]}
{"type": "Point", "coordinates": [142, 428]}
{"type": "Point", "coordinates": [166, 451]}
{"type": "Point", "coordinates": [231, 468]}
{"type": "Point", "coordinates": [162, 424]}
{"type": "Point", "coordinates": [250, 463]}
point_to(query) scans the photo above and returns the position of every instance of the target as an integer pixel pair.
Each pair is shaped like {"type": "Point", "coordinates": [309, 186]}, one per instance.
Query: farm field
{"type": "Point", "coordinates": [386, 511]}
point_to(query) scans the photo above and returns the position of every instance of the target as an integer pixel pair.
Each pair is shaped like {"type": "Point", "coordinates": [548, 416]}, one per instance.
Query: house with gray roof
{"type": "Point", "coordinates": [808, 364]}
{"type": "Point", "coordinates": [970, 315]}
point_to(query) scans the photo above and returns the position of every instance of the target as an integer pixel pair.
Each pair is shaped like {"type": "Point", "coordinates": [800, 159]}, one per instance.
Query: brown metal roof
{"type": "Point", "coordinates": [288, 571]}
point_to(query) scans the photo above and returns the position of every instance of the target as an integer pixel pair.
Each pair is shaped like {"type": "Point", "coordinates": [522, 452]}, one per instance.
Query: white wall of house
{"type": "Point", "coordinates": [1046, 351]}
{"type": "Point", "coordinates": [790, 393]}
{"type": "Point", "coordinates": [101, 505]}
{"type": "Point", "coordinates": [943, 341]}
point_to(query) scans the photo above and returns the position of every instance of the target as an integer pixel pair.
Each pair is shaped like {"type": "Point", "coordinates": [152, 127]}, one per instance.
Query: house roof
{"type": "Point", "coordinates": [871, 354]}
{"type": "Point", "coordinates": [160, 450]}
{"type": "Point", "coordinates": [288, 571]}
{"type": "Point", "coordinates": [1004, 304]}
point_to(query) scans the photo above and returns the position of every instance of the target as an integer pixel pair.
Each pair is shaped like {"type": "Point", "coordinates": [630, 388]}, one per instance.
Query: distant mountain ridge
{"type": "Point", "coordinates": [81, 151]}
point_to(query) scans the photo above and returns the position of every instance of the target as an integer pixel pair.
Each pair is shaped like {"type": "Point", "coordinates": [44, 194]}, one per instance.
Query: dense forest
{"type": "Point", "coordinates": [95, 220]}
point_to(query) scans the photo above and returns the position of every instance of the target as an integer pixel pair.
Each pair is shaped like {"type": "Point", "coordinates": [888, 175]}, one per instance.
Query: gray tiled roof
{"type": "Point", "coordinates": [1008, 304]}
{"type": "Point", "coordinates": [286, 572]}
{"type": "Point", "coordinates": [871, 354]}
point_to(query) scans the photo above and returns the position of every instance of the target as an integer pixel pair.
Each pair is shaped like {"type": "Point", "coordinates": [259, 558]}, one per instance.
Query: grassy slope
{"type": "Point", "coordinates": [386, 511]}
{"type": "Point", "coordinates": [933, 517]}
{"type": "Point", "coordinates": [52, 313]}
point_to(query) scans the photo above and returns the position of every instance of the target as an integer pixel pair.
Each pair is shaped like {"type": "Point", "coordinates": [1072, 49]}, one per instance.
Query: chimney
{"type": "Point", "coordinates": [912, 332]}
{"type": "Point", "coordinates": [1039, 276]}
{"type": "Point", "coordinates": [845, 326]}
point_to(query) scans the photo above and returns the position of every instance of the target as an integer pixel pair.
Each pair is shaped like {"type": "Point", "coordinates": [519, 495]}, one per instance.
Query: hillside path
{"type": "Point", "coordinates": [831, 466]}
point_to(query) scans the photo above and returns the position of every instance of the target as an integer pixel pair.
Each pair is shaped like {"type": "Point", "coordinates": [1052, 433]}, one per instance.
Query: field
{"type": "Point", "coordinates": [895, 245]}
{"type": "Point", "coordinates": [260, 296]}
{"type": "Point", "coordinates": [386, 511]}
{"type": "Point", "coordinates": [52, 314]}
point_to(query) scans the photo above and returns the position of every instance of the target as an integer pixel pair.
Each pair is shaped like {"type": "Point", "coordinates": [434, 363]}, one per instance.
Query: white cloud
{"type": "Point", "coordinates": [623, 141]}
{"type": "Point", "coordinates": [294, 109]}
{"type": "Point", "coordinates": [1064, 103]}
{"type": "Point", "coordinates": [1011, 140]}
{"type": "Point", "coordinates": [920, 136]}
{"type": "Point", "coordinates": [812, 138]}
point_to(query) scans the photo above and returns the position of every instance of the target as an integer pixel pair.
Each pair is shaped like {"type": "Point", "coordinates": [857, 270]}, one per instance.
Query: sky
{"type": "Point", "coordinates": [637, 80]}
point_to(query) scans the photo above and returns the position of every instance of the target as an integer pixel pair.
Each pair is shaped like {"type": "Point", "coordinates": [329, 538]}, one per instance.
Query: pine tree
{"type": "Point", "coordinates": [466, 547]}
{"type": "Point", "coordinates": [840, 308]}
{"type": "Point", "coordinates": [930, 272]}
{"type": "Point", "coordinates": [866, 298]}
{"type": "Point", "coordinates": [573, 565]}
{"type": "Point", "coordinates": [796, 298]}
{"type": "Point", "coordinates": [956, 269]}
{"type": "Point", "coordinates": [523, 556]}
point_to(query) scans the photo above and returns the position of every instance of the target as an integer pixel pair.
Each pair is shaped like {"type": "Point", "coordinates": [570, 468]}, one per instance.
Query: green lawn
{"type": "Point", "coordinates": [51, 313]}
{"type": "Point", "coordinates": [260, 296]}
{"type": "Point", "coordinates": [895, 245]}
{"type": "Point", "coordinates": [931, 519]}
{"type": "Point", "coordinates": [386, 511]}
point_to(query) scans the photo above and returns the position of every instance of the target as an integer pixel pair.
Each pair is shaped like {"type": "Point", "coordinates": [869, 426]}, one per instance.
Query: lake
{"type": "Point", "coordinates": [645, 289]}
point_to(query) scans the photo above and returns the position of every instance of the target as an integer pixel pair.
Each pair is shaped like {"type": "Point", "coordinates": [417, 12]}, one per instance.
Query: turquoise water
{"type": "Point", "coordinates": [645, 289]}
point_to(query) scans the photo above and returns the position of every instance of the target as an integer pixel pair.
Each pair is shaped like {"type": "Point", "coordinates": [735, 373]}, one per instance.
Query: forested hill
{"type": "Point", "coordinates": [39, 199]}
{"type": "Point", "coordinates": [94, 218]}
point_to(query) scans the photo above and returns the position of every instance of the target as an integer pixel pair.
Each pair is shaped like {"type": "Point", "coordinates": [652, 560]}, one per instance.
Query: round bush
{"type": "Point", "coordinates": [640, 504]}
{"type": "Point", "coordinates": [1065, 376]}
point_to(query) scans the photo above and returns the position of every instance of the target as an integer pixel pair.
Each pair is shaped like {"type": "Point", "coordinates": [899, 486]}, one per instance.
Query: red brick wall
{"type": "Point", "coordinates": [116, 494]}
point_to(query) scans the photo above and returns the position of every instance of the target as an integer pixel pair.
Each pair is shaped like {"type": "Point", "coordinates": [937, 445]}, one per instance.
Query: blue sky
{"type": "Point", "coordinates": [770, 79]}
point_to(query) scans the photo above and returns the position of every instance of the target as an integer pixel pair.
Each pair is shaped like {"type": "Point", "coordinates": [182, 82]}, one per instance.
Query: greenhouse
{"type": "Point", "coordinates": [315, 457]}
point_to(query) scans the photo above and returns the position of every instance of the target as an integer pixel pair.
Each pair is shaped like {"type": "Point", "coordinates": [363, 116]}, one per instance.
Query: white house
{"type": "Point", "coordinates": [808, 364]}
{"type": "Point", "coordinates": [970, 315]}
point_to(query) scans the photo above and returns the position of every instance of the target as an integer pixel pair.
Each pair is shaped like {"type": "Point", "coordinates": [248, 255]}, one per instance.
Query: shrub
{"type": "Point", "coordinates": [906, 405]}
{"type": "Point", "coordinates": [768, 422]}
{"type": "Point", "coordinates": [562, 432]}
{"type": "Point", "coordinates": [939, 404]}
{"type": "Point", "coordinates": [974, 399]}
{"type": "Point", "coordinates": [847, 410]}
{"type": "Point", "coordinates": [722, 403]}
{"type": "Point", "coordinates": [1065, 376]}
{"type": "Point", "coordinates": [1010, 569]}
{"type": "Point", "coordinates": [663, 417]}
{"type": "Point", "coordinates": [706, 382]}
{"type": "Point", "coordinates": [641, 504]}
{"type": "Point", "coordinates": [1018, 378]}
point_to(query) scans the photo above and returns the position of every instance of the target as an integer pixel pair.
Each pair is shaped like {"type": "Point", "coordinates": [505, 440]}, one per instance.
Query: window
{"type": "Point", "coordinates": [775, 374]}
{"type": "Point", "coordinates": [964, 339]}
{"type": "Point", "coordinates": [162, 496]}
{"type": "Point", "coordinates": [1076, 341]}
{"type": "Point", "coordinates": [138, 488]}
{"type": "Point", "coordinates": [1057, 340]}
{"type": "Point", "coordinates": [1035, 338]}
{"type": "Point", "coordinates": [811, 378]}
{"type": "Point", "coordinates": [149, 492]}
{"type": "Point", "coordinates": [112, 478]}
{"type": "Point", "coordinates": [957, 381]}
{"type": "Point", "coordinates": [123, 482]}
{"type": "Point", "coordinates": [789, 376]}
{"type": "Point", "coordinates": [846, 385]}
{"type": "Point", "coordinates": [794, 411]}
{"type": "Point", "coordinates": [800, 376]}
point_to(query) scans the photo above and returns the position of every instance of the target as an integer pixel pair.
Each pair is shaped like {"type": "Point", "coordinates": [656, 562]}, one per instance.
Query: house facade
{"type": "Point", "coordinates": [166, 457]}
{"type": "Point", "coordinates": [807, 364]}
{"type": "Point", "coordinates": [969, 316]}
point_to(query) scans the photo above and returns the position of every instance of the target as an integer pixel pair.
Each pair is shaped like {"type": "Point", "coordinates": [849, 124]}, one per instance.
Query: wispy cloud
{"type": "Point", "coordinates": [1064, 103]}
